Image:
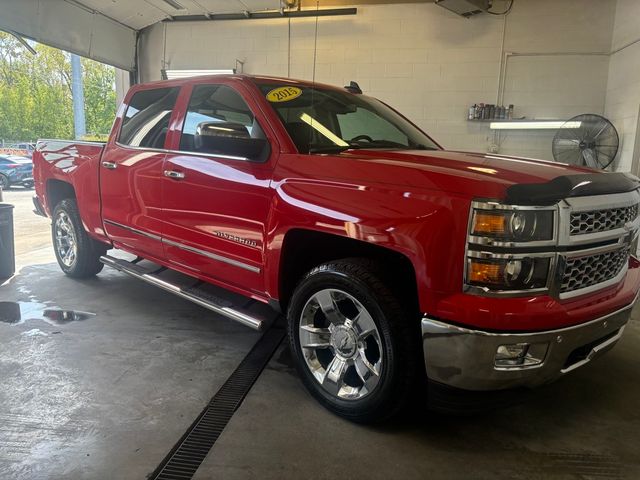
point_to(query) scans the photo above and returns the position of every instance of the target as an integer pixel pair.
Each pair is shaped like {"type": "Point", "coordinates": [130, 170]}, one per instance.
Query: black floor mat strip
{"type": "Point", "coordinates": [190, 451]}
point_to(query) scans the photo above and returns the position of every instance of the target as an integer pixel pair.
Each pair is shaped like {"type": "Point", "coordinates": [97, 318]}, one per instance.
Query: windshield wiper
{"type": "Point", "coordinates": [330, 148]}
{"type": "Point", "coordinates": [367, 145]}
{"type": "Point", "coordinates": [420, 146]}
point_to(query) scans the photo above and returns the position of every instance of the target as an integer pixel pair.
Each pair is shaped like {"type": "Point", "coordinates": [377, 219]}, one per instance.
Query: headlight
{"type": "Point", "coordinates": [503, 251]}
{"type": "Point", "coordinates": [495, 273]}
{"type": "Point", "coordinates": [511, 225]}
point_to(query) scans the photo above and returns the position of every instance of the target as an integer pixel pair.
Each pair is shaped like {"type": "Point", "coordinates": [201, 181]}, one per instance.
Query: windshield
{"type": "Point", "coordinates": [323, 121]}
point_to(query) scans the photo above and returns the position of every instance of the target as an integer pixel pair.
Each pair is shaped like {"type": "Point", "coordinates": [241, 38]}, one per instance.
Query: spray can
{"type": "Point", "coordinates": [472, 112]}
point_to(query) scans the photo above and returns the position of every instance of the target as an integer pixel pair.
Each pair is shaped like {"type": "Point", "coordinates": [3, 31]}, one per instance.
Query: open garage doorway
{"type": "Point", "coordinates": [37, 101]}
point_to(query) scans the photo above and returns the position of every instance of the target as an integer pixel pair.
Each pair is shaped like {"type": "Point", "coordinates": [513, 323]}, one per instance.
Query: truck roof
{"type": "Point", "coordinates": [241, 77]}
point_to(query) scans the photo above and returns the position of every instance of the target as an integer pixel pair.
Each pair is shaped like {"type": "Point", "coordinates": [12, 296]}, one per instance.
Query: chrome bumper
{"type": "Point", "coordinates": [465, 359]}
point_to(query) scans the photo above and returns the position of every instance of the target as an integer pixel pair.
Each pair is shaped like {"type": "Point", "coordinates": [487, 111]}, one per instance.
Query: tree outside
{"type": "Point", "coordinates": [35, 93]}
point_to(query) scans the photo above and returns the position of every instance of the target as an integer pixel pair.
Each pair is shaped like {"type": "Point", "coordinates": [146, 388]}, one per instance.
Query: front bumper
{"type": "Point", "coordinates": [465, 358]}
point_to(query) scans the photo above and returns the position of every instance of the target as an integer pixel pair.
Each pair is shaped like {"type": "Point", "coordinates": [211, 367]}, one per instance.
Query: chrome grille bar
{"type": "Point", "coordinates": [602, 220]}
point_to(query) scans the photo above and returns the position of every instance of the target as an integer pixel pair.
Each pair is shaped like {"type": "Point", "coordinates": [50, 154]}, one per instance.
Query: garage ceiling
{"type": "Point", "coordinates": [138, 14]}
{"type": "Point", "coordinates": [105, 30]}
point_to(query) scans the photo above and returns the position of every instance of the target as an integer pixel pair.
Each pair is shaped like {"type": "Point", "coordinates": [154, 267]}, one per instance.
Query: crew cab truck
{"type": "Point", "coordinates": [391, 257]}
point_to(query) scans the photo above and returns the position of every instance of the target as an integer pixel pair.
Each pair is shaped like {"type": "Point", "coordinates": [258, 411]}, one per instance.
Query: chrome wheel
{"type": "Point", "coordinates": [65, 236]}
{"type": "Point", "coordinates": [341, 344]}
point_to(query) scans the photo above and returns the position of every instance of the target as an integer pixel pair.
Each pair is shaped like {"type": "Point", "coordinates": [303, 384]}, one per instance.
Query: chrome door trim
{"type": "Point", "coordinates": [188, 248]}
{"type": "Point", "coordinates": [212, 256]}
{"type": "Point", "coordinates": [134, 230]}
{"type": "Point", "coordinates": [78, 142]}
{"type": "Point", "coordinates": [184, 152]}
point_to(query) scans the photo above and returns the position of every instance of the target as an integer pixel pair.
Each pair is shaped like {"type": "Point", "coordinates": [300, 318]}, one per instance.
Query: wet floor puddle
{"type": "Point", "coordinates": [16, 313]}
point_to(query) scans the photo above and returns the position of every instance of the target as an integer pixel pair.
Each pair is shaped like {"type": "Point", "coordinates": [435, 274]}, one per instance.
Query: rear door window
{"type": "Point", "coordinates": [146, 120]}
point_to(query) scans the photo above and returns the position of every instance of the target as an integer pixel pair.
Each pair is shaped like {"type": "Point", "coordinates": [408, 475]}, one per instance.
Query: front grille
{"type": "Point", "coordinates": [584, 272]}
{"type": "Point", "coordinates": [602, 220]}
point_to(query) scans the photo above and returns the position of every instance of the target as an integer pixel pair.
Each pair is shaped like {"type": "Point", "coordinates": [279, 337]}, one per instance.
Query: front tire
{"type": "Point", "coordinates": [355, 347]}
{"type": "Point", "coordinates": [78, 255]}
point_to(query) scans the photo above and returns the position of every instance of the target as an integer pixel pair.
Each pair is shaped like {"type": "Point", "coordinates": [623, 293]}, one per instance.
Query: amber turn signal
{"type": "Point", "coordinates": [489, 223]}
{"type": "Point", "coordinates": [482, 272]}
{"type": "Point", "coordinates": [508, 274]}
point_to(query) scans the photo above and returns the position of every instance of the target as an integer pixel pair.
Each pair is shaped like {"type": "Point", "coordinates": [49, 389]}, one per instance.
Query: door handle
{"type": "Point", "coordinates": [173, 174]}
{"type": "Point", "coordinates": [109, 165]}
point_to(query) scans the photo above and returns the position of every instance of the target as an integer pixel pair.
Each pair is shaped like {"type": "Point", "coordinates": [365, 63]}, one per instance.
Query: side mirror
{"type": "Point", "coordinates": [230, 138]}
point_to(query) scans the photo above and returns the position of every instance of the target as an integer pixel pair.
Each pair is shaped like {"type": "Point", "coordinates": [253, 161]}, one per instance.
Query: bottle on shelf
{"type": "Point", "coordinates": [510, 112]}
{"type": "Point", "coordinates": [472, 112]}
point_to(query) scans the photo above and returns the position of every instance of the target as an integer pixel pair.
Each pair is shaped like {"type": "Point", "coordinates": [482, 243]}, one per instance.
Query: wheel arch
{"type": "Point", "coordinates": [297, 258]}
{"type": "Point", "coordinates": [58, 190]}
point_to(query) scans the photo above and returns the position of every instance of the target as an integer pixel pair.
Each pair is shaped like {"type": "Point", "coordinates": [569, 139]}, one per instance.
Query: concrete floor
{"type": "Point", "coordinates": [32, 233]}
{"type": "Point", "coordinates": [107, 397]}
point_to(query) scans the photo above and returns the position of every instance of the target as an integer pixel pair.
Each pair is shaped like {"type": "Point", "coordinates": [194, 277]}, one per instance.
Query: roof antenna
{"type": "Point", "coordinates": [353, 87]}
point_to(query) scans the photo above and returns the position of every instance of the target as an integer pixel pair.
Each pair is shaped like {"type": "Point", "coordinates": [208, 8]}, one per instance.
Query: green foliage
{"type": "Point", "coordinates": [35, 93]}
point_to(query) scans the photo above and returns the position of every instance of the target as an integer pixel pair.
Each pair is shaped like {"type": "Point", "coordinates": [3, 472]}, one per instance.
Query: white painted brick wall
{"type": "Point", "coordinates": [425, 61]}
{"type": "Point", "coordinates": [623, 87]}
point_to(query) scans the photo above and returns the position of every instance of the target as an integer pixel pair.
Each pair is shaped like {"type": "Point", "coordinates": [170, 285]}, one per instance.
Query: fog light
{"type": "Point", "coordinates": [520, 355]}
{"type": "Point", "coordinates": [511, 354]}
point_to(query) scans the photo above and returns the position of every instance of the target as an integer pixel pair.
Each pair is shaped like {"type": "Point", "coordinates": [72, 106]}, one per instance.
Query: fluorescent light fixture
{"type": "Point", "coordinates": [174, 4]}
{"type": "Point", "coordinates": [534, 125]}
{"type": "Point", "coordinates": [171, 74]}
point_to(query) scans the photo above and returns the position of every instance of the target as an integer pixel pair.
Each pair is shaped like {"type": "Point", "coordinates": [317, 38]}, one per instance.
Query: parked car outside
{"type": "Point", "coordinates": [23, 149]}
{"type": "Point", "coordinates": [15, 170]}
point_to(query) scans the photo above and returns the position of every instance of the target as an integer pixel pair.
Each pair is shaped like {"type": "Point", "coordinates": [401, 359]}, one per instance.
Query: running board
{"type": "Point", "coordinates": [193, 294]}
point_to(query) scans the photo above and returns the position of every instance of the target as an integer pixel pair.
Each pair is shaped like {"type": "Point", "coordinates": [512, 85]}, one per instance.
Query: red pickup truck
{"type": "Point", "coordinates": [392, 257]}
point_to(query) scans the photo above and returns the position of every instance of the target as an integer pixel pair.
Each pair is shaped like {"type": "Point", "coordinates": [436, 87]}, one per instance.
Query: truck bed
{"type": "Point", "coordinates": [75, 163]}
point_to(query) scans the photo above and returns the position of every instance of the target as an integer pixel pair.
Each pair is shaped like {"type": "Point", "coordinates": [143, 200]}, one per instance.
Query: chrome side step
{"type": "Point", "coordinates": [193, 294]}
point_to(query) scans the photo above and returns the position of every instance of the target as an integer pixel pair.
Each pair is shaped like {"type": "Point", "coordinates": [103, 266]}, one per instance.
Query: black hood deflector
{"type": "Point", "coordinates": [571, 186]}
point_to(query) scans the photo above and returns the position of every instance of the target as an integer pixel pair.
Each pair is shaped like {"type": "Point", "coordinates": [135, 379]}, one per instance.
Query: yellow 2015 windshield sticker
{"type": "Point", "coordinates": [283, 94]}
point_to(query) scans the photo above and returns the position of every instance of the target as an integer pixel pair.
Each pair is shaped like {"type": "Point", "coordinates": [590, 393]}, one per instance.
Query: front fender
{"type": "Point", "coordinates": [428, 227]}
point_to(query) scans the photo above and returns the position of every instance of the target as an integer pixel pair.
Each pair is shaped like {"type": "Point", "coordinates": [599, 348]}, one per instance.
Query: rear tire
{"type": "Point", "coordinates": [78, 255]}
{"type": "Point", "coordinates": [4, 182]}
{"type": "Point", "coordinates": [356, 348]}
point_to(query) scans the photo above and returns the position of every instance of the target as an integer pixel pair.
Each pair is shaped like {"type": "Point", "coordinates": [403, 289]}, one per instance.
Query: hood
{"type": "Point", "coordinates": [469, 174]}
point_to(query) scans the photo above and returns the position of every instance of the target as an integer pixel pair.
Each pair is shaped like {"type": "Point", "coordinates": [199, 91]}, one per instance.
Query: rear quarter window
{"type": "Point", "coordinates": [146, 120]}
